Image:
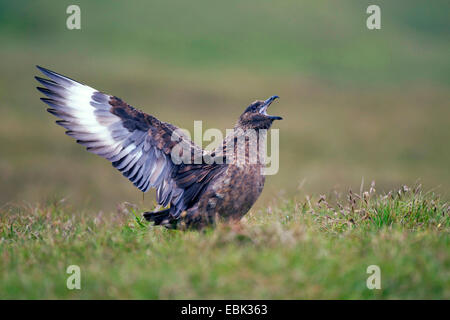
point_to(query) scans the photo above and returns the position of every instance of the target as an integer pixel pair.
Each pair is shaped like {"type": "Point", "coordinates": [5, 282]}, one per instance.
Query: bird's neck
{"type": "Point", "coordinates": [245, 146]}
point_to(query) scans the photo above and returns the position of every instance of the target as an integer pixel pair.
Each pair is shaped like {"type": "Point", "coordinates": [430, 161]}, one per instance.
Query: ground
{"type": "Point", "coordinates": [311, 248]}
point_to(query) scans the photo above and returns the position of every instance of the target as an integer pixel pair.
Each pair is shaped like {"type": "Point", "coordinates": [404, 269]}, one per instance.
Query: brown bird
{"type": "Point", "coordinates": [147, 151]}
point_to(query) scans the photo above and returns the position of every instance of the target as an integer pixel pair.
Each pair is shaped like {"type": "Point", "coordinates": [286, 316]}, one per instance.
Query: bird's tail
{"type": "Point", "coordinates": [162, 218]}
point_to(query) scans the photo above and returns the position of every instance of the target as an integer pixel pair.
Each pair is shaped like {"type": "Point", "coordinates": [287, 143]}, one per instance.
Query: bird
{"type": "Point", "coordinates": [195, 193]}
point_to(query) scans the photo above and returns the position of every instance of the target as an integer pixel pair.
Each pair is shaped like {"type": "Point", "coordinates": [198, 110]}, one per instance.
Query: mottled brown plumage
{"type": "Point", "coordinates": [197, 192]}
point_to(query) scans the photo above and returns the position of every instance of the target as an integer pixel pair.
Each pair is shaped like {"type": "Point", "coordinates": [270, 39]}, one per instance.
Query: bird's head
{"type": "Point", "coordinates": [256, 117]}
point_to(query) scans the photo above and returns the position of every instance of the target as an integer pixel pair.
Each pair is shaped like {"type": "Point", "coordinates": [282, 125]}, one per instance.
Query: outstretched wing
{"type": "Point", "coordinates": [137, 144]}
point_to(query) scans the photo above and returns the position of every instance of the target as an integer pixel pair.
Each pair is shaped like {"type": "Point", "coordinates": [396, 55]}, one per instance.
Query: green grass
{"type": "Point", "coordinates": [327, 39]}
{"type": "Point", "coordinates": [316, 247]}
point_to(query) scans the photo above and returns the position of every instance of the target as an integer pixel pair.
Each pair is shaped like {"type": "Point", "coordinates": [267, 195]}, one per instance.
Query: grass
{"type": "Point", "coordinates": [317, 247]}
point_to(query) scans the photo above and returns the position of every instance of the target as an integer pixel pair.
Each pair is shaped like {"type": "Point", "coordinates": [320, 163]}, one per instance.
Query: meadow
{"type": "Point", "coordinates": [309, 249]}
{"type": "Point", "coordinates": [358, 106]}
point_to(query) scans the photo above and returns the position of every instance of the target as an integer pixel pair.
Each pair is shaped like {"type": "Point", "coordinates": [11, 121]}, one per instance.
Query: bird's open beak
{"type": "Point", "coordinates": [266, 105]}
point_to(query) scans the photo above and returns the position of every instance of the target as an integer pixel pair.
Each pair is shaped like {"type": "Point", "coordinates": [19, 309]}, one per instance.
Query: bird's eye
{"type": "Point", "coordinates": [256, 106]}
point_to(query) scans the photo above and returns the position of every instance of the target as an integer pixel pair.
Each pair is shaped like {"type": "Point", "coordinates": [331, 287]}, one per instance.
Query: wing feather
{"type": "Point", "coordinates": [137, 144]}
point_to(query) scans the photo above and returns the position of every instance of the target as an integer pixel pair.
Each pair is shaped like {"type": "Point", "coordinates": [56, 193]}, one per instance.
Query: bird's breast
{"type": "Point", "coordinates": [234, 193]}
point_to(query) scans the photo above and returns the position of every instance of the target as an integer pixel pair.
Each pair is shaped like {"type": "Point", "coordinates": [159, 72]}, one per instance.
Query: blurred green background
{"type": "Point", "coordinates": [357, 103]}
